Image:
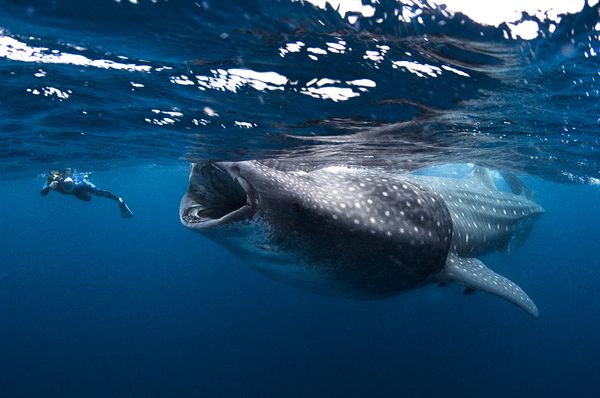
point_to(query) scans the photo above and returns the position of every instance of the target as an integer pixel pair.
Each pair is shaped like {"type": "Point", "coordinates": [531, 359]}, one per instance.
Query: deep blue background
{"type": "Point", "coordinates": [93, 305]}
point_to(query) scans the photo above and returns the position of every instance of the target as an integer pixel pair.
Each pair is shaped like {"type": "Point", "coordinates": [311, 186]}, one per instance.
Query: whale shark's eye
{"type": "Point", "coordinates": [295, 207]}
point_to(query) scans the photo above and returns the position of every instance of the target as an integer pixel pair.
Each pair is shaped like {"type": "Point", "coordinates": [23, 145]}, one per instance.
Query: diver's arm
{"type": "Point", "coordinates": [46, 188]}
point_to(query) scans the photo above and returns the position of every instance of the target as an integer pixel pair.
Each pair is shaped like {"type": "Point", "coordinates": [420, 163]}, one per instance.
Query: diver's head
{"type": "Point", "coordinates": [54, 175]}
{"type": "Point", "coordinates": [68, 184]}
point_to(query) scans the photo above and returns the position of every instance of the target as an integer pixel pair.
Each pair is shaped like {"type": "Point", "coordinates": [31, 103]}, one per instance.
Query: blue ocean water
{"type": "Point", "coordinates": [93, 305]}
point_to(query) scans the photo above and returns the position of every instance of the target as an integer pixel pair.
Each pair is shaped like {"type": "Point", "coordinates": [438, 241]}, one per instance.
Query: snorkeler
{"type": "Point", "coordinates": [77, 184]}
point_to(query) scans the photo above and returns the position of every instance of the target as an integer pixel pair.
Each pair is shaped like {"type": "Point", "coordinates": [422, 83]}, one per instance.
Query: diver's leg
{"type": "Point", "coordinates": [125, 211]}
{"type": "Point", "coordinates": [106, 194]}
{"type": "Point", "coordinates": [82, 195]}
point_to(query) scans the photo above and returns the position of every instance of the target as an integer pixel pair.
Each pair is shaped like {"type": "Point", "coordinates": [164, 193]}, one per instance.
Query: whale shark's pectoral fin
{"type": "Point", "coordinates": [475, 275]}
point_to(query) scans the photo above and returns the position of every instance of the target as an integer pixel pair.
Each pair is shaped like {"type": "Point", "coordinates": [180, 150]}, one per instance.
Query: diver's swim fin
{"type": "Point", "coordinates": [475, 275]}
{"type": "Point", "coordinates": [125, 211]}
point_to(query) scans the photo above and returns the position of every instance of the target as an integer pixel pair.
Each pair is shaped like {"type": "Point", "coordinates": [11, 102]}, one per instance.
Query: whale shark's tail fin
{"type": "Point", "coordinates": [475, 275]}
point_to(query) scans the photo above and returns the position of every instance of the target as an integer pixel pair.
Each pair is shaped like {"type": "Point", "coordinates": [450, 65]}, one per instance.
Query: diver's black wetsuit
{"type": "Point", "coordinates": [77, 184]}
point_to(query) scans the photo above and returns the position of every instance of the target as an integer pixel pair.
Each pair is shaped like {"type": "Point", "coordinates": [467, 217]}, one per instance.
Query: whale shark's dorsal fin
{"type": "Point", "coordinates": [516, 185]}
{"type": "Point", "coordinates": [484, 176]}
{"type": "Point", "coordinates": [475, 275]}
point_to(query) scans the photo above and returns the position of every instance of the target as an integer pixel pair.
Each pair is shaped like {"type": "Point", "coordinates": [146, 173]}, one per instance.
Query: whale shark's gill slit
{"type": "Point", "coordinates": [214, 195]}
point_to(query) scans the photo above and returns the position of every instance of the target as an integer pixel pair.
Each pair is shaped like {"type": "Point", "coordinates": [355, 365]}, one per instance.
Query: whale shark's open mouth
{"type": "Point", "coordinates": [216, 196]}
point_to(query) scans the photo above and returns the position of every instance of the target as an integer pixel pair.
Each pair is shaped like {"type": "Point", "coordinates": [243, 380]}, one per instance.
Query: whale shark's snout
{"type": "Point", "coordinates": [217, 195]}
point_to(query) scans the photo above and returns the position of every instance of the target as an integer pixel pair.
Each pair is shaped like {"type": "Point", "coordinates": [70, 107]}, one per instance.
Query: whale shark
{"type": "Point", "coordinates": [361, 232]}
